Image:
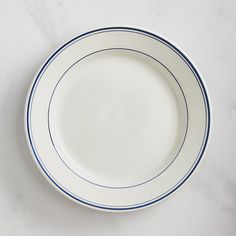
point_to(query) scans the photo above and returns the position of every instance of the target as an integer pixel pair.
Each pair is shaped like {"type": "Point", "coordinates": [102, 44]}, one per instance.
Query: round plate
{"type": "Point", "coordinates": [117, 119]}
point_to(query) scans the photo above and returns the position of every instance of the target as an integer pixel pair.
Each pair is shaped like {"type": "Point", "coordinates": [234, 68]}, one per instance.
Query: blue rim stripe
{"type": "Point", "coordinates": [207, 128]}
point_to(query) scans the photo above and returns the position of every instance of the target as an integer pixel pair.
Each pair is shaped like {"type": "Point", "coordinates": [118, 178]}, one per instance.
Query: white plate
{"type": "Point", "coordinates": [117, 119]}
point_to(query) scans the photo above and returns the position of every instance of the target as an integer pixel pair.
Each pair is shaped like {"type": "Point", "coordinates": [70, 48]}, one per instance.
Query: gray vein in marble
{"type": "Point", "coordinates": [43, 20]}
{"type": "Point", "coordinates": [215, 186]}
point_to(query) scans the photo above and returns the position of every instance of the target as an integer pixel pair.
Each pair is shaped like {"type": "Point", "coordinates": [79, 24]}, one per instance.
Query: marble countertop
{"type": "Point", "coordinates": [31, 30]}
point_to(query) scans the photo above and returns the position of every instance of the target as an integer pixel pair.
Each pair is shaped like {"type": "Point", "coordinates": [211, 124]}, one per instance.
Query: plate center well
{"type": "Point", "coordinates": [117, 118]}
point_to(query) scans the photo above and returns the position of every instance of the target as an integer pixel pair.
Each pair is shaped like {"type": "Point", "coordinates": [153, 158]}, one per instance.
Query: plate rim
{"type": "Point", "coordinates": [205, 95]}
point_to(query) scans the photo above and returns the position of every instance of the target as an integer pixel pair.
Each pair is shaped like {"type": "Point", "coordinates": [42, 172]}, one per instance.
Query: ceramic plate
{"type": "Point", "coordinates": [117, 119]}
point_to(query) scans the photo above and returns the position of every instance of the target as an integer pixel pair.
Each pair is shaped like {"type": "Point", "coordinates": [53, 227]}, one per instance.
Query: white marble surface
{"type": "Point", "coordinates": [31, 30]}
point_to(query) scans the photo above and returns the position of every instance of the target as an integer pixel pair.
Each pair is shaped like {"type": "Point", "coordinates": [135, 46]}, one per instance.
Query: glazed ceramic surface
{"type": "Point", "coordinates": [117, 119]}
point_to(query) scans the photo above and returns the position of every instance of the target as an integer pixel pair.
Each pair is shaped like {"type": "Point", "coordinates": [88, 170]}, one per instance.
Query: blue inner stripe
{"type": "Point", "coordinates": [185, 134]}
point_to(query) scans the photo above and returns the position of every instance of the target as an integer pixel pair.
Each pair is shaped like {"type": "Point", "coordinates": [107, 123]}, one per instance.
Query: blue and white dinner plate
{"type": "Point", "coordinates": [117, 119]}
